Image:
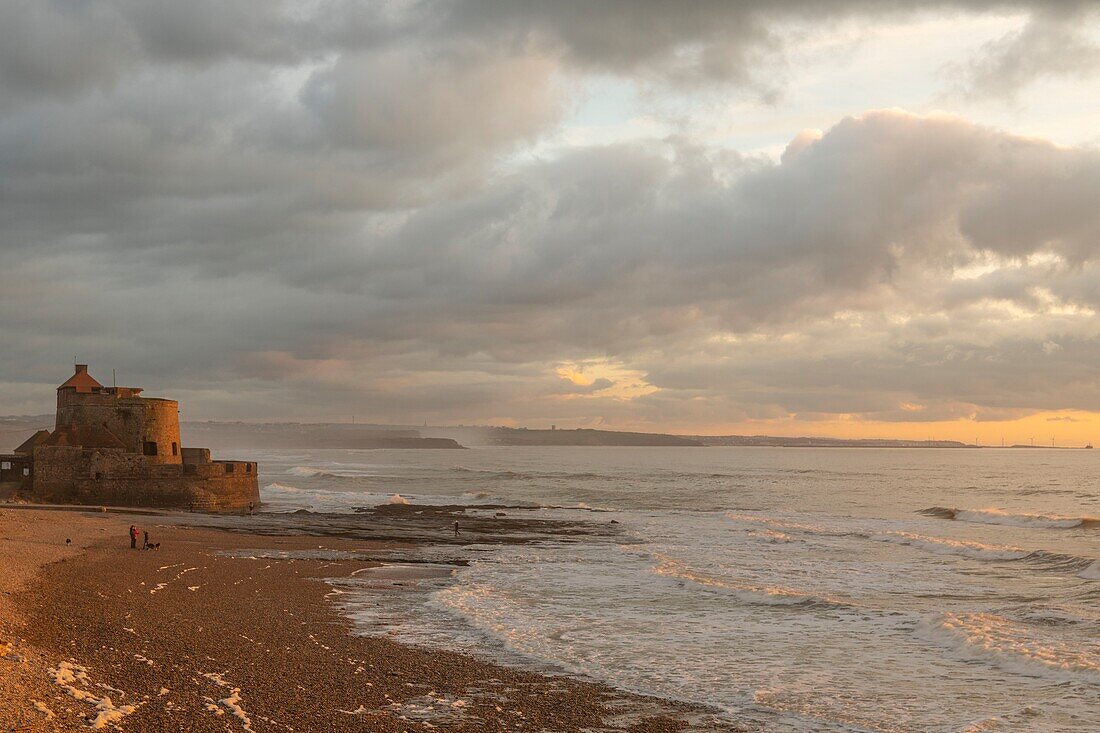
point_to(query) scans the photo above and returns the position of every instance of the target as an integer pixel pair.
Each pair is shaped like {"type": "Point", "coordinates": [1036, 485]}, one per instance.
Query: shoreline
{"type": "Point", "coordinates": [205, 636]}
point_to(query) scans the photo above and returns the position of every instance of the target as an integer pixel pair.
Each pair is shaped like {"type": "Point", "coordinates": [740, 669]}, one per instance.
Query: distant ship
{"type": "Point", "coordinates": [1088, 446]}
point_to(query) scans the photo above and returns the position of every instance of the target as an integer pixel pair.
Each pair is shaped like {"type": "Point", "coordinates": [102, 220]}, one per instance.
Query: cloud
{"type": "Point", "coordinates": [1053, 42]}
{"type": "Point", "coordinates": [282, 210]}
{"type": "Point", "coordinates": [830, 282]}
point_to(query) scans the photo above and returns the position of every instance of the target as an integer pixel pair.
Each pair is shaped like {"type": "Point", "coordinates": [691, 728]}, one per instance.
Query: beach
{"type": "Point", "coordinates": [228, 630]}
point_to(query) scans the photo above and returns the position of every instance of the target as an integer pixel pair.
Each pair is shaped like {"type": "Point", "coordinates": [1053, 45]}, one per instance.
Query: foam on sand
{"type": "Point", "coordinates": [231, 702]}
{"type": "Point", "coordinates": [68, 676]}
{"type": "Point", "coordinates": [42, 708]}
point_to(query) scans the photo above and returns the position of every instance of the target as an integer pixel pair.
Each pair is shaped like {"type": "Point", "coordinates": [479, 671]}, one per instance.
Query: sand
{"type": "Point", "coordinates": [207, 635]}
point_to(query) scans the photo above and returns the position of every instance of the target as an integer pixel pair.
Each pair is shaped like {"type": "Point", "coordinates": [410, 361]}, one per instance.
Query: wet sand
{"type": "Point", "coordinates": [208, 635]}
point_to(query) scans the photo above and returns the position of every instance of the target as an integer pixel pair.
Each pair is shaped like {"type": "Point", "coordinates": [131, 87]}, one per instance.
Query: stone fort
{"type": "Point", "coordinates": [111, 446]}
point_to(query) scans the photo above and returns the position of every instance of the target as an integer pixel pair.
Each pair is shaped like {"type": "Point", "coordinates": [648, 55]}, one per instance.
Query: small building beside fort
{"type": "Point", "coordinates": [111, 446]}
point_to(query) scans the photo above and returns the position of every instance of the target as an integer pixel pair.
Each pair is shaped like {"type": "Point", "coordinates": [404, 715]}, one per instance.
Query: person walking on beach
{"type": "Point", "coordinates": [133, 537]}
{"type": "Point", "coordinates": [456, 529]}
{"type": "Point", "coordinates": [250, 509]}
{"type": "Point", "coordinates": [145, 544]}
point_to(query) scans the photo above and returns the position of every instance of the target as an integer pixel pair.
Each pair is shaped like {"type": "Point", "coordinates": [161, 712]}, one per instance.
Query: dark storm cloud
{"type": "Point", "coordinates": [254, 202]}
{"type": "Point", "coordinates": [60, 47]}
{"type": "Point", "coordinates": [710, 40]}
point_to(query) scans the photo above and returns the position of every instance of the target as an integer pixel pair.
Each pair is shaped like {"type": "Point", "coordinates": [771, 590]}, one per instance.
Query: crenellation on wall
{"type": "Point", "coordinates": [195, 455]}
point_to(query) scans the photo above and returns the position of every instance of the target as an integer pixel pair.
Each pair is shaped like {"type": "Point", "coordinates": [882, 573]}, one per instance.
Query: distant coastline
{"type": "Point", "coordinates": [231, 434]}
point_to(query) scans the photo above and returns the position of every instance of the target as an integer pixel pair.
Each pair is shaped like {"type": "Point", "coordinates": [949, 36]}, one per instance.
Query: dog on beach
{"type": "Point", "coordinates": [153, 546]}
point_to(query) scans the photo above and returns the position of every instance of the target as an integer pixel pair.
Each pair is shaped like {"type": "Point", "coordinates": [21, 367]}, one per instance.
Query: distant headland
{"type": "Point", "coordinates": [360, 436]}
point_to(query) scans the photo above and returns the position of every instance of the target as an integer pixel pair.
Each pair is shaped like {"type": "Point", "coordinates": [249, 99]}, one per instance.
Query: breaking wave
{"type": "Point", "coordinates": [787, 526]}
{"type": "Point", "coordinates": [944, 546]}
{"type": "Point", "coordinates": [1086, 567]}
{"type": "Point", "coordinates": [492, 475]}
{"type": "Point", "coordinates": [996, 640]}
{"type": "Point", "coordinates": [1091, 572]}
{"type": "Point", "coordinates": [999, 516]}
{"type": "Point", "coordinates": [767, 595]}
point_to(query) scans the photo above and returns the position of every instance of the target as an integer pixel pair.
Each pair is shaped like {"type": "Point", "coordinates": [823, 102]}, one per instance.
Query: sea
{"type": "Point", "coordinates": [791, 589]}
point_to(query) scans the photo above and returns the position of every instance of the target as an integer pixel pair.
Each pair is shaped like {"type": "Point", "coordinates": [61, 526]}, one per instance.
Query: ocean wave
{"type": "Point", "coordinates": [767, 595]}
{"type": "Point", "coordinates": [285, 488]}
{"type": "Point", "coordinates": [497, 475]}
{"type": "Point", "coordinates": [771, 535]}
{"type": "Point", "coordinates": [304, 471]}
{"type": "Point", "coordinates": [1059, 562]}
{"type": "Point", "coordinates": [330, 473]}
{"type": "Point", "coordinates": [1091, 572]}
{"type": "Point", "coordinates": [284, 497]}
{"type": "Point", "coordinates": [945, 546]}
{"type": "Point", "coordinates": [996, 640]}
{"type": "Point", "coordinates": [1001, 517]}
{"type": "Point", "coordinates": [1086, 567]}
{"type": "Point", "coordinates": [782, 524]}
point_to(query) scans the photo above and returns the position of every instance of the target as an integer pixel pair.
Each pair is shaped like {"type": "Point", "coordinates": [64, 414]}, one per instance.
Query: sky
{"type": "Point", "coordinates": [794, 217]}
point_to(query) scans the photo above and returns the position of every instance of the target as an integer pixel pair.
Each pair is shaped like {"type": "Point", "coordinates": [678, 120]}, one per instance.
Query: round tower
{"type": "Point", "coordinates": [149, 426]}
{"type": "Point", "coordinates": [160, 437]}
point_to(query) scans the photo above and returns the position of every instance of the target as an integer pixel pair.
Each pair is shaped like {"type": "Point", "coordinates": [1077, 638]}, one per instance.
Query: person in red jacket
{"type": "Point", "coordinates": [133, 537]}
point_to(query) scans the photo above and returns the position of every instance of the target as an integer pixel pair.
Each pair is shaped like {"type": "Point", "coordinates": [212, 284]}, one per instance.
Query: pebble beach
{"type": "Point", "coordinates": [227, 630]}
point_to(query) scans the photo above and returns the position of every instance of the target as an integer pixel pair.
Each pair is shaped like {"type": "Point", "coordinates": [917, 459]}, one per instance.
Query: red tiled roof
{"type": "Point", "coordinates": [82, 381]}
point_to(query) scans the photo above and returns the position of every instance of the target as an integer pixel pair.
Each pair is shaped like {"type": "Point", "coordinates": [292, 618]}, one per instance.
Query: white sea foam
{"type": "Point", "coordinates": [72, 677]}
{"type": "Point", "coordinates": [44, 709]}
{"type": "Point", "coordinates": [945, 546]}
{"type": "Point", "coordinates": [305, 471]}
{"type": "Point", "coordinates": [753, 600]}
{"type": "Point", "coordinates": [232, 701]}
{"type": "Point", "coordinates": [794, 526]}
{"type": "Point", "coordinates": [745, 592]}
{"type": "Point", "coordinates": [997, 640]}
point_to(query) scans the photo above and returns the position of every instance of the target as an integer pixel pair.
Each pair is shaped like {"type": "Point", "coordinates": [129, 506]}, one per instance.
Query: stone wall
{"type": "Point", "coordinates": [55, 472]}
{"type": "Point", "coordinates": [122, 418]}
{"type": "Point", "coordinates": [179, 492]}
{"type": "Point", "coordinates": [117, 478]}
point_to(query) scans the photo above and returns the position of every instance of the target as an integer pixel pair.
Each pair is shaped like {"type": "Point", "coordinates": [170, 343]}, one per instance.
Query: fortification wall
{"type": "Point", "coordinates": [56, 469]}
{"type": "Point", "coordinates": [116, 478]}
{"type": "Point", "coordinates": [226, 492]}
{"type": "Point", "coordinates": [180, 492]}
{"type": "Point", "coordinates": [195, 455]}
